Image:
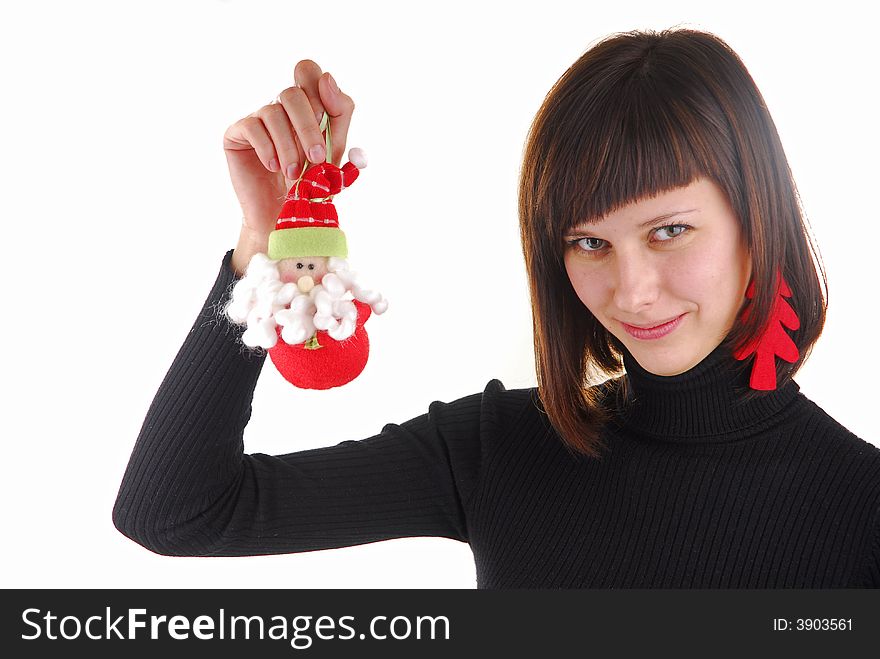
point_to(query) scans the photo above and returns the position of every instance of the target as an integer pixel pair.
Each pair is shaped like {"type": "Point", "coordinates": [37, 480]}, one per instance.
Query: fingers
{"type": "Point", "coordinates": [250, 132]}
{"type": "Point", "coordinates": [275, 118]}
{"type": "Point", "coordinates": [306, 75]}
{"type": "Point", "coordinates": [324, 94]}
{"type": "Point", "coordinates": [286, 133]}
{"type": "Point", "coordinates": [340, 108]}
{"type": "Point", "coordinates": [278, 133]}
{"type": "Point", "coordinates": [300, 113]}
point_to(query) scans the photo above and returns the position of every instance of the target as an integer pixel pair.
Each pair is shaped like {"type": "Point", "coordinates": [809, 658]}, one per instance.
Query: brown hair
{"type": "Point", "coordinates": [638, 114]}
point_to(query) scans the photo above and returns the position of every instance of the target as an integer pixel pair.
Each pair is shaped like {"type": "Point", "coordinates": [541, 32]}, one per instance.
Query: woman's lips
{"type": "Point", "coordinates": [653, 332]}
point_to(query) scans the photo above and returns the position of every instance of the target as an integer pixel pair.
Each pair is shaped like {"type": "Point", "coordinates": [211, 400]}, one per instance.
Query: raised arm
{"type": "Point", "coordinates": [189, 489]}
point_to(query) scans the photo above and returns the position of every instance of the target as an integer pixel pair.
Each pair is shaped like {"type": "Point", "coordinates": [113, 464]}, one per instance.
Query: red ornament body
{"type": "Point", "coordinates": [333, 364]}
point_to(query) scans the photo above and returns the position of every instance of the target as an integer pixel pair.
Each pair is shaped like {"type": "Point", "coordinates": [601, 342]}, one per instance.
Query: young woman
{"type": "Point", "coordinates": [674, 296]}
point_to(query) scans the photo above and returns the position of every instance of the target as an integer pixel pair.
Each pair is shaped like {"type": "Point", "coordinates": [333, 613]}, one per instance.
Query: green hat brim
{"type": "Point", "coordinates": [307, 241]}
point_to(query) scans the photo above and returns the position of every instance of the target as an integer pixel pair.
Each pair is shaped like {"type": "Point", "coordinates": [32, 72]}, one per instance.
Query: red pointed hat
{"type": "Point", "coordinates": [308, 224]}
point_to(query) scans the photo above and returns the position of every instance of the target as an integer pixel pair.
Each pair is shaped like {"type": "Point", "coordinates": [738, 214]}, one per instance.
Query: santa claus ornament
{"type": "Point", "coordinates": [300, 301]}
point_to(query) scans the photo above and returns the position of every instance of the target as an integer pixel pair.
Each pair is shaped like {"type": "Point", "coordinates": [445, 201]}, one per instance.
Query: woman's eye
{"type": "Point", "coordinates": [588, 244]}
{"type": "Point", "coordinates": [665, 234]}
{"type": "Point", "coordinates": [669, 232]}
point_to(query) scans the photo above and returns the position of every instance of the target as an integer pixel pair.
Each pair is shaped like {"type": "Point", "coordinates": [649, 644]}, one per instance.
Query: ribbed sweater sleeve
{"type": "Point", "coordinates": [869, 576]}
{"type": "Point", "coordinates": [190, 490]}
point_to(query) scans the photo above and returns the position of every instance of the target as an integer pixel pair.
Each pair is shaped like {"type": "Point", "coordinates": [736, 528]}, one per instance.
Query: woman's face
{"type": "Point", "coordinates": [677, 257]}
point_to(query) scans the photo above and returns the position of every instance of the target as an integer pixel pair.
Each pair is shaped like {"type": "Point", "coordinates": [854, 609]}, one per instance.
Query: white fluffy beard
{"type": "Point", "coordinates": [263, 302]}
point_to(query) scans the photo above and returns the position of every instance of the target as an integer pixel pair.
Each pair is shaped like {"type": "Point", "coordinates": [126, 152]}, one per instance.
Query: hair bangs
{"type": "Point", "coordinates": [644, 138]}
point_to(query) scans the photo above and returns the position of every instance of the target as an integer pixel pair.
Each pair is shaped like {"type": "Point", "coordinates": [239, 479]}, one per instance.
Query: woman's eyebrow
{"type": "Point", "coordinates": [666, 216]}
{"type": "Point", "coordinates": [585, 226]}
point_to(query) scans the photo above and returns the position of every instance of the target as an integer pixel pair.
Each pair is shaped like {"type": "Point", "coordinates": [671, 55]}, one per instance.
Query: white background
{"type": "Point", "coordinates": [117, 210]}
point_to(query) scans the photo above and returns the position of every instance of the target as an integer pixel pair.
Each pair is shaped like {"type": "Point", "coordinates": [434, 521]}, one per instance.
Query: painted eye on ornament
{"type": "Point", "coordinates": [311, 266]}
{"type": "Point", "coordinates": [299, 266]}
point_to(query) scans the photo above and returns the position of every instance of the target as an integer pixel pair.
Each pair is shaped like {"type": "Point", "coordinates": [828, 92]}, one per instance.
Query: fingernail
{"type": "Point", "coordinates": [319, 116]}
{"type": "Point", "coordinates": [273, 164]}
{"type": "Point", "coordinates": [332, 82]}
{"type": "Point", "coordinates": [316, 153]}
{"type": "Point", "coordinates": [291, 171]}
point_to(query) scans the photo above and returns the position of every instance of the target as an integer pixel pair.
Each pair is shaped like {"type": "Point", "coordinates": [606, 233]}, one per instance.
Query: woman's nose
{"type": "Point", "coordinates": [636, 287]}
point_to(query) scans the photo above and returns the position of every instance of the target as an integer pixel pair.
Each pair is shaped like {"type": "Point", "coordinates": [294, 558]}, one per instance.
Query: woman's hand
{"type": "Point", "coordinates": [266, 150]}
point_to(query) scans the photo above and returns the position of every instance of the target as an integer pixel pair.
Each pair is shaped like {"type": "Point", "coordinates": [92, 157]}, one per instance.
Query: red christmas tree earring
{"type": "Point", "coordinates": [773, 341]}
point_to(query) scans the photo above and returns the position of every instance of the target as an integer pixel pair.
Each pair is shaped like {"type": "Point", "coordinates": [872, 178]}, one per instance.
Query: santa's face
{"type": "Point", "coordinates": [295, 270]}
{"type": "Point", "coordinates": [287, 293]}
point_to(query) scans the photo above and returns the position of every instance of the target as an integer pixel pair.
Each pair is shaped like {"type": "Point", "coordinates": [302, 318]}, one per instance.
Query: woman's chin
{"type": "Point", "coordinates": [666, 360]}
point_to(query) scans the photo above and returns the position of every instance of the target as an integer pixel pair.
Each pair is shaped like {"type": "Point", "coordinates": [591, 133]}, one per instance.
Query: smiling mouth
{"type": "Point", "coordinates": [654, 331]}
{"type": "Point", "coordinates": [652, 325]}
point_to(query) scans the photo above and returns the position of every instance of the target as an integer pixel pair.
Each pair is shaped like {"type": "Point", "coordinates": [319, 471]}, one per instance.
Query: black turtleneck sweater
{"type": "Point", "coordinates": [694, 490]}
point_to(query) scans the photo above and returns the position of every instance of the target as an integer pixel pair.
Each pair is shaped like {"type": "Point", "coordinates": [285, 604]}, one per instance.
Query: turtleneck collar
{"type": "Point", "coordinates": [707, 403]}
